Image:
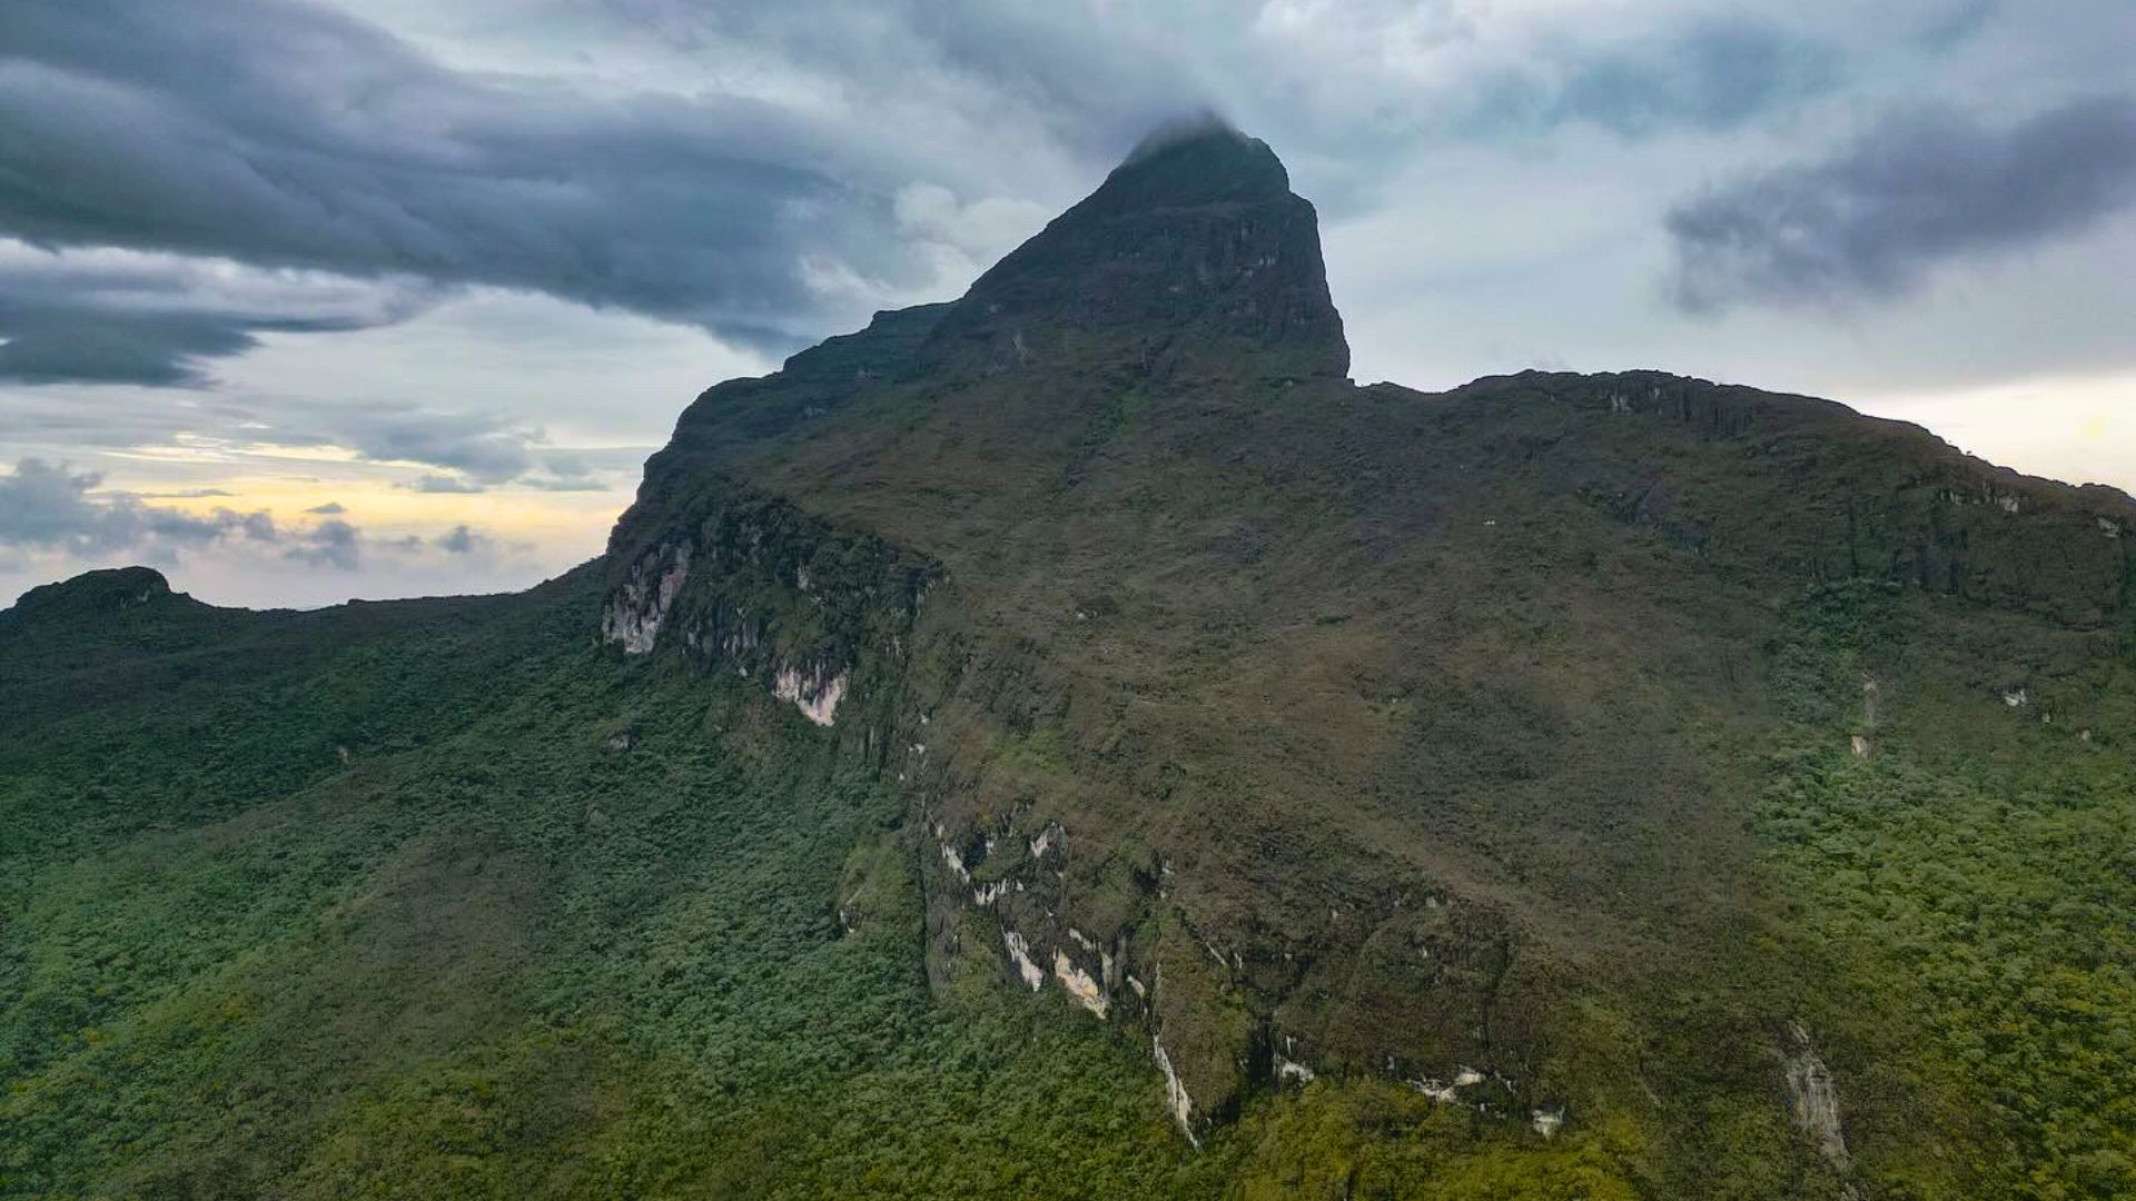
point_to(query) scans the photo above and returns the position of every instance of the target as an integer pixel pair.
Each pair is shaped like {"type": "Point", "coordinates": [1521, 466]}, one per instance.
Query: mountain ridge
{"type": "Point", "coordinates": [1619, 784]}
{"type": "Point", "coordinates": [1906, 509]}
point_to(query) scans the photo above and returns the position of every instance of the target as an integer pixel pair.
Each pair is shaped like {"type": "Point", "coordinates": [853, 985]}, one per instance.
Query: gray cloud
{"type": "Point", "coordinates": [1713, 75]}
{"type": "Point", "coordinates": [1919, 188]}
{"type": "Point", "coordinates": [332, 508]}
{"type": "Point", "coordinates": [258, 526]}
{"type": "Point", "coordinates": [76, 343]}
{"type": "Point", "coordinates": [288, 135]}
{"type": "Point", "coordinates": [567, 473]}
{"type": "Point", "coordinates": [460, 540]}
{"type": "Point", "coordinates": [467, 452]}
{"type": "Point", "coordinates": [571, 484]}
{"type": "Point", "coordinates": [1965, 18]}
{"type": "Point", "coordinates": [484, 448]}
{"type": "Point", "coordinates": [331, 543]}
{"type": "Point", "coordinates": [50, 507]}
{"type": "Point", "coordinates": [122, 316]}
{"type": "Point", "coordinates": [451, 484]}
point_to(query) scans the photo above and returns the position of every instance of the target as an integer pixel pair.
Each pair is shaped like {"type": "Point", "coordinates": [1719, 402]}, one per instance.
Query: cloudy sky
{"type": "Point", "coordinates": [305, 301]}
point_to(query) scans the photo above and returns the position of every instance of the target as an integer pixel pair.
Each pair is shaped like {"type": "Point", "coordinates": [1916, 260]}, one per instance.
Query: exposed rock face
{"type": "Point", "coordinates": [748, 584]}
{"type": "Point", "coordinates": [1080, 984]}
{"type": "Point", "coordinates": [1175, 1093]}
{"type": "Point", "coordinates": [1020, 955]}
{"type": "Point", "coordinates": [640, 606]}
{"type": "Point", "coordinates": [1813, 1100]}
{"type": "Point", "coordinates": [816, 694]}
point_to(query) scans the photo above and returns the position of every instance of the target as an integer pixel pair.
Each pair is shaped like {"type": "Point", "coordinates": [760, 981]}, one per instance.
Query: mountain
{"type": "Point", "coordinates": [1073, 741]}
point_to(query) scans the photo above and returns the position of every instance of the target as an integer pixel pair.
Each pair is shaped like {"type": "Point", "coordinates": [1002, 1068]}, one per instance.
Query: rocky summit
{"type": "Point", "coordinates": [1073, 741]}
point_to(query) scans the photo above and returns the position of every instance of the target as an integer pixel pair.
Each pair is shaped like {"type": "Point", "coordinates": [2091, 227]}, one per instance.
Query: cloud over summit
{"type": "Point", "coordinates": [768, 173]}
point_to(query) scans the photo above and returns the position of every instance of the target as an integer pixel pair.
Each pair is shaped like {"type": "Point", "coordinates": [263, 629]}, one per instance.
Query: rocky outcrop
{"type": "Point", "coordinates": [1176, 1099]}
{"type": "Point", "coordinates": [746, 583]}
{"type": "Point", "coordinates": [1813, 1101]}
{"type": "Point", "coordinates": [635, 613]}
{"type": "Point", "coordinates": [815, 692]}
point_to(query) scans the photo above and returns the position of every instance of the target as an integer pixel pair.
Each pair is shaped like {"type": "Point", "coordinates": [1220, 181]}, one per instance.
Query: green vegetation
{"type": "Point", "coordinates": [577, 936]}
{"type": "Point", "coordinates": [1975, 875]}
{"type": "Point", "coordinates": [622, 928]}
{"type": "Point", "coordinates": [1569, 786]}
{"type": "Point", "coordinates": [497, 953]}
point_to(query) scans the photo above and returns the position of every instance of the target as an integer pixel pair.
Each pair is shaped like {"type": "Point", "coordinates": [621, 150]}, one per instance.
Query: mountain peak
{"type": "Point", "coordinates": [1193, 258]}
{"type": "Point", "coordinates": [1202, 160]}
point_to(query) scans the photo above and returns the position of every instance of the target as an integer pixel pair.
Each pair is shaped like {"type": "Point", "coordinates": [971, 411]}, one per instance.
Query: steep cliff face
{"type": "Point", "coordinates": [745, 583]}
{"type": "Point", "coordinates": [1318, 732]}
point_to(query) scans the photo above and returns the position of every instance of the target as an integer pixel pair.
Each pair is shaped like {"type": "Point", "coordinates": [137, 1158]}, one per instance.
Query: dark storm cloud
{"type": "Point", "coordinates": [80, 343]}
{"type": "Point", "coordinates": [99, 345]}
{"type": "Point", "coordinates": [291, 136]}
{"type": "Point", "coordinates": [1918, 189]}
{"type": "Point", "coordinates": [121, 316]}
{"type": "Point", "coordinates": [286, 135]}
{"type": "Point", "coordinates": [50, 507]}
